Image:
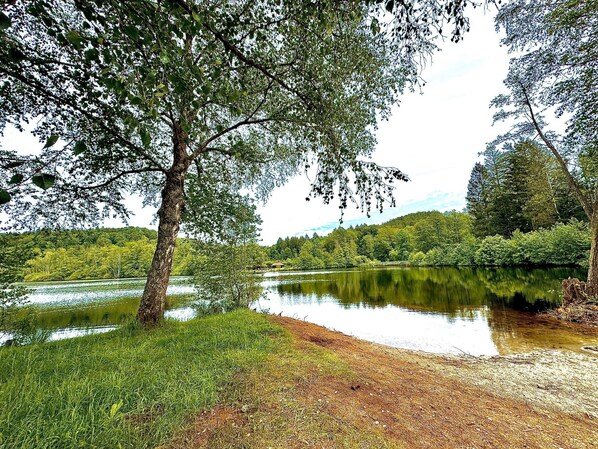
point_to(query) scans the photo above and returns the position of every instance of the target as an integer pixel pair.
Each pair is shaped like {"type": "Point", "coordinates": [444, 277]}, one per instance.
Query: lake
{"type": "Point", "coordinates": [440, 310]}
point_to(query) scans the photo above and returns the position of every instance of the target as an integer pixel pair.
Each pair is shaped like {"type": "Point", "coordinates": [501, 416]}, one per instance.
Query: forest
{"type": "Point", "coordinates": [423, 238]}
{"type": "Point", "coordinates": [520, 212]}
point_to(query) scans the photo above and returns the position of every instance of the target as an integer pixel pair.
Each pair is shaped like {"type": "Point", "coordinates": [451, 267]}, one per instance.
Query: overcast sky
{"type": "Point", "coordinates": [433, 137]}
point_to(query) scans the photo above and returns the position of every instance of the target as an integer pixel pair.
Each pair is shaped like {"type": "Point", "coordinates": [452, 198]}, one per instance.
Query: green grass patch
{"type": "Point", "coordinates": [129, 388]}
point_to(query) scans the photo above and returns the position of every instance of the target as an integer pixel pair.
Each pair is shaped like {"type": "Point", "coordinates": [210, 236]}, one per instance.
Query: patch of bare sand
{"type": "Point", "coordinates": [538, 400]}
{"type": "Point", "coordinates": [401, 399]}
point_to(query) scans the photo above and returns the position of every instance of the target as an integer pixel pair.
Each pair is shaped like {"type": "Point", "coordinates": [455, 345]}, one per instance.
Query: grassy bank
{"type": "Point", "coordinates": [129, 388]}
{"type": "Point", "coordinates": [245, 380]}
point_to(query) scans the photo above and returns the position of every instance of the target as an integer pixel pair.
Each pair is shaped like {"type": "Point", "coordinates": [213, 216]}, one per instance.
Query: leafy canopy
{"type": "Point", "coordinates": [248, 92]}
{"type": "Point", "coordinates": [554, 74]}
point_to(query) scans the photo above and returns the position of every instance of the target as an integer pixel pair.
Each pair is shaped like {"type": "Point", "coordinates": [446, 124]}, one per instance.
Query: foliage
{"type": "Point", "coordinates": [115, 68]}
{"type": "Point", "coordinates": [103, 260]}
{"type": "Point", "coordinates": [117, 389]}
{"type": "Point", "coordinates": [222, 275]}
{"type": "Point", "coordinates": [434, 238]}
{"type": "Point", "coordinates": [393, 241]}
{"type": "Point", "coordinates": [18, 248]}
{"type": "Point", "coordinates": [423, 238]}
{"type": "Point", "coordinates": [12, 296]}
{"type": "Point", "coordinates": [555, 74]}
{"type": "Point", "coordinates": [563, 244]}
{"type": "Point", "coordinates": [162, 99]}
{"type": "Point", "coordinates": [217, 82]}
{"type": "Point", "coordinates": [520, 188]}
{"type": "Point", "coordinates": [555, 67]}
{"type": "Point", "coordinates": [223, 281]}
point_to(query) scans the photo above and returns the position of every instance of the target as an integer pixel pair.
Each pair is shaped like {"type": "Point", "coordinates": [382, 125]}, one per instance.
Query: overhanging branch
{"type": "Point", "coordinates": [587, 206]}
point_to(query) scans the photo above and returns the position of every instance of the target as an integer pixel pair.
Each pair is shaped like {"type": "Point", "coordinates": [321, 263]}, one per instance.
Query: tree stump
{"type": "Point", "coordinates": [574, 292]}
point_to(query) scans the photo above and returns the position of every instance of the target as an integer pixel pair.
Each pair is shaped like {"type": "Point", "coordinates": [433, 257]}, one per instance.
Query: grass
{"type": "Point", "coordinates": [236, 380]}
{"type": "Point", "coordinates": [128, 388]}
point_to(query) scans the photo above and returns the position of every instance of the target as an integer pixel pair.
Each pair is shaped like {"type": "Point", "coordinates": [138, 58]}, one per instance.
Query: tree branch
{"type": "Point", "coordinates": [587, 206]}
{"type": "Point", "coordinates": [202, 147]}
{"type": "Point", "coordinates": [116, 177]}
{"type": "Point", "coordinates": [248, 61]}
{"type": "Point", "coordinates": [231, 154]}
{"type": "Point", "coordinates": [73, 104]}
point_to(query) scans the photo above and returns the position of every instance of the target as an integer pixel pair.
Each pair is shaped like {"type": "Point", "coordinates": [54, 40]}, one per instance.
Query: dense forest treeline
{"type": "Point", "coordinates": [520, 187]}
{"type": "Point", "coordinates": [435, 238]}
{"type": "Point", "coordinates": [520, 212]}
{"type": "Point", "coordinates": [422, 238]}
{"type": "Point", "coordinates": [85, 254]}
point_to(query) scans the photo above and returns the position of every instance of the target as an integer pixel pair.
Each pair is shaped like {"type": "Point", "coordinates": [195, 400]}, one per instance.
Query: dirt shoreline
{"type": "Point", "coordinates": [584, 314]}
{"type": "Point", "coordinates": [404, 399]}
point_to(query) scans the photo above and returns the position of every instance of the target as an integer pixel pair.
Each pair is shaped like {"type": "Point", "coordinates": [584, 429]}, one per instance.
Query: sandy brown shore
{"type": "Point", "coordinates": [386, 397]}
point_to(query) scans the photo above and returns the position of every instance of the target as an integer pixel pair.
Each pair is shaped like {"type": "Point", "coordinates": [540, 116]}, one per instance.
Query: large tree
{"type": "Point", "coordinates": [555, 73]}
{"type": "Point", "coordinates": [188, 103]}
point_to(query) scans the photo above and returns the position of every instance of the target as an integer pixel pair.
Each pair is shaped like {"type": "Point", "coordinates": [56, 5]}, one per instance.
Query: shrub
{"type": "Point", "coordinates": [417, 259]}
{"type": "Point", "coordinates": [495, 250]}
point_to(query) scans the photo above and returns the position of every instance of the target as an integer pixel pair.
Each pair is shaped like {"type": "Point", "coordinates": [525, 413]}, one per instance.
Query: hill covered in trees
{"type": "Point", "coordinates": [421, 238]}
{"type": "Point", "coordinates": [435, 238]}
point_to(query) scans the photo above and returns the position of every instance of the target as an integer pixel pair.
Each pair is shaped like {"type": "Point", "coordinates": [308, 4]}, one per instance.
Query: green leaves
{"type": "Point", "coordinates": [164, 58]}
{"type": "Point", "coordinates": [14, 164]}
{"type": "Point", "coordinates": [51, 141]}
{"type": "Point", "coordinates": [75, 38]}
{"type": "Point", "coordinates": [92, 55]}
{"type": "Point", "coordinates": [4, 196]}
{"type": "Point", "coordinates": [15, 179]}
{"type": "Point", "coordinates": [136, 100]}
{"type": "Point", "coordinates": [79, 148]}
{"type": "Point", "coordinates": [5, 22]}
{"type": "Point", "coordinates": [44, 181]}
{"type": "Point", "coordinates": [132, 32]}
{"type": "Point", "coordinates": [145, 137]}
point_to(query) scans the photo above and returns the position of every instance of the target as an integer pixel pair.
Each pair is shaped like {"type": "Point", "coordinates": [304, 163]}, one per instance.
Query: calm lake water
{"type": "Point", "coordinates": [441, 310]}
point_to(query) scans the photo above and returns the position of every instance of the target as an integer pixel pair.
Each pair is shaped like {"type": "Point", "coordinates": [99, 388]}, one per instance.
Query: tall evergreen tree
{"type": "Point", "coordinates": [478, 200]}
{"type": "Point", "coordinates": [556, 71]}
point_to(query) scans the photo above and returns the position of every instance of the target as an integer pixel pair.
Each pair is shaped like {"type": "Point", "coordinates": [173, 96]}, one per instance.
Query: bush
{"type": "Point", "coordinates": [495, 250]}
{"type": "Point", "coordinates": [417, 259]}
{"type": "Point", "coordinates": [223, 281]}
{"type": "Point", "coordinates": [569, 243]}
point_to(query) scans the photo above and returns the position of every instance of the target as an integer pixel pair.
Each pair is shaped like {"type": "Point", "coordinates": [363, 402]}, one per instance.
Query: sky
{"type": "Point", "coordinates": [434, 137]}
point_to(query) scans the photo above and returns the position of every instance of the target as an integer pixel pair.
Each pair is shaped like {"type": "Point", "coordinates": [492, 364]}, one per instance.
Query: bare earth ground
{"type": "Point", "coordinates": [332, 390]}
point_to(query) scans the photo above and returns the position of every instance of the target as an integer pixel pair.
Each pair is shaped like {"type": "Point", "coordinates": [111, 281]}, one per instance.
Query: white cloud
{"type": "Point", "coordinates": [434, 138]}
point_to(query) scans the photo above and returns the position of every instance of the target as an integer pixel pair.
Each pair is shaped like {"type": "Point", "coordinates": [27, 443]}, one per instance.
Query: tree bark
{"type": "Point", "coordinates": [592, 283]}
{"type": "Point", "coordinates": [151, 308]}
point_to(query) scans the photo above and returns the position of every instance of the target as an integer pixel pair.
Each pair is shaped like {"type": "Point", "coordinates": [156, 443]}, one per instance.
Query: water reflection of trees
{"type": "Point", "coordinates": [446, 290]}
{"type": "Point", "coordinates": [99, 314]}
